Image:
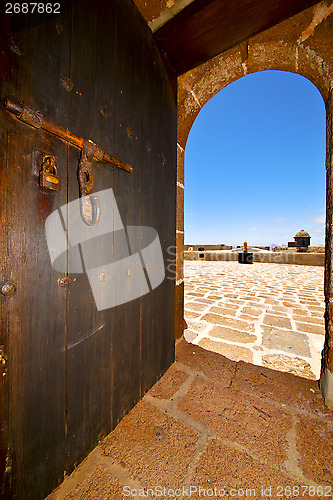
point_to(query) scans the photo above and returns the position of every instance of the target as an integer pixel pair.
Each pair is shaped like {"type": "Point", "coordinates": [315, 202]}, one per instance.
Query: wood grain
{"type": "Point", "coordinates": [207, 28]}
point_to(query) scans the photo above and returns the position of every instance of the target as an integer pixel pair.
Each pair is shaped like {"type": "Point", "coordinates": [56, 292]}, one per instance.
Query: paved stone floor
{"type": "Point", "coordinates": [214, 428]}
{"type": "Point", "coordinates": [267, 314]}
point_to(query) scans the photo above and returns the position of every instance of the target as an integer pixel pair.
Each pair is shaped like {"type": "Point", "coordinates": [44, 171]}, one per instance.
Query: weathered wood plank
{"type": "Point", "coordinates": [158, 184]}
{"type": "Point", "coordinates": [89, 330]}
{"type": "Point", "coordinates": [129, 68]}
{"type": "Point", "coordinates": [35, 315]}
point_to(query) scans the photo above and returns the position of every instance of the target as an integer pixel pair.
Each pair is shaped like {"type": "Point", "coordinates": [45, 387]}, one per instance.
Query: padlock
{"type": "Point", "coordinates": [48, 176]}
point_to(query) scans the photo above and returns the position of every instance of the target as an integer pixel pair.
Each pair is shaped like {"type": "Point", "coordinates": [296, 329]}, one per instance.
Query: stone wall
{"type": "Point", "coordinates": [197, 248]}
{"type": "Point", "coordinates": [304, 259]}
{"type": "Point", "coordinates": [316, 249]}
{"type": "Point", "coordinates": [311, 249]}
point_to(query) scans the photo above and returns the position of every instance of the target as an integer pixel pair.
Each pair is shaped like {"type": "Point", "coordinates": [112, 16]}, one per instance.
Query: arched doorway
{"type": "Point", "coordinates": [287, 48]}
{"type": "Point", "coordinates": [257, 168]}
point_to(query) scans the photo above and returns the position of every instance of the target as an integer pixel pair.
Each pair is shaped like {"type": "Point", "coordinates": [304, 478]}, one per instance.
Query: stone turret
{"type": "Point", "coordinates": [302, 239]}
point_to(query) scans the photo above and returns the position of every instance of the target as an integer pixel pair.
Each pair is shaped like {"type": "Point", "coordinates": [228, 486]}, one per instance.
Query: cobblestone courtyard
{"type": "Point", "coordinates": [268, 314]}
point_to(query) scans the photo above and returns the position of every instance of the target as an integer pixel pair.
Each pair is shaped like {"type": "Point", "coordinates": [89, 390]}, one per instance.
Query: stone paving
{"type": "Point", "coordinates": [214, 428]}
{"type": "Point", "coordinates": [268, 314]}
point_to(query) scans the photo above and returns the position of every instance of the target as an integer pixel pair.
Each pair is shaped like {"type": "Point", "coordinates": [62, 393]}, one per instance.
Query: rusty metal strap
{"type": "Point", "coordinates": [35, 119]}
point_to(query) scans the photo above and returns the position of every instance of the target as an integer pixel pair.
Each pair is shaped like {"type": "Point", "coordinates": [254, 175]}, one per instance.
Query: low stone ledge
{"type": "Point", "coordinates": [303, 259]}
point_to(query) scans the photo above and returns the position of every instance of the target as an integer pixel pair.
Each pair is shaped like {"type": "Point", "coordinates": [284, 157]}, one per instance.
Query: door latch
{"type": "Point", "coordinates": [89, 151]}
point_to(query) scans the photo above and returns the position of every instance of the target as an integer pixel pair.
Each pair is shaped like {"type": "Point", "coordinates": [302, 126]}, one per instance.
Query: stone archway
{"type": "Point", "coordinates": [299, 45]}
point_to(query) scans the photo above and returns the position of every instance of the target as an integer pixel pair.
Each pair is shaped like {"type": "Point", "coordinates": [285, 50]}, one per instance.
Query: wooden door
{"type": "Point", "coordinates": [69, 371]}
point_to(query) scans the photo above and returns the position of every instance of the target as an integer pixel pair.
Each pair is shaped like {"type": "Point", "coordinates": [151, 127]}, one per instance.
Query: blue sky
{"type": "Point", "coordinates": [255, 163]}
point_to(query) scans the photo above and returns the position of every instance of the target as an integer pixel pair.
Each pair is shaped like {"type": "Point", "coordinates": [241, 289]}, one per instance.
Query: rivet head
{"type": "Point", "coordinates": [8, 289]}
{"type": "Point", "coordinates": [64, 281]}
{"type": "Point", "coordinates": [67, 83]}
{"type": "Point", "coordinates": [159, 434]}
